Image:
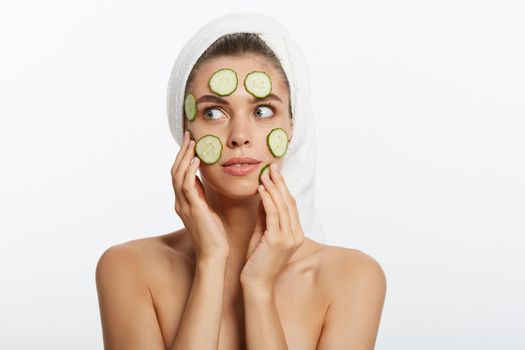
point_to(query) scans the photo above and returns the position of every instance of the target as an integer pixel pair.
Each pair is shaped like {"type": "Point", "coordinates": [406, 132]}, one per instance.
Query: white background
{"type": "Point", "coordinates": [420, 119]}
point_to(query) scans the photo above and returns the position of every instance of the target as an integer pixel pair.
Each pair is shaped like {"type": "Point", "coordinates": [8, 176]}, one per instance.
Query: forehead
{"type": "Point", "coordinates": [242, 65]}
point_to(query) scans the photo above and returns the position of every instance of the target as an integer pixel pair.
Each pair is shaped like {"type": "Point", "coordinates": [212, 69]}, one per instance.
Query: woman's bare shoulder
{"type": "Point", "coordinates": [126, 274]}
{"type": "Point", "coordinates": [143, 254]}
{"type": "Point", "coordinates": [353, 256]}
{"type": "Point", "coordinates": [346, 266]}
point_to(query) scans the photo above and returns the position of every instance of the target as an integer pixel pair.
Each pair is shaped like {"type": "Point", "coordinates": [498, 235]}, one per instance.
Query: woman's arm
{"type": "Point", "coordinates": [201, 321]}
{"type": "Point", "coordinates": [354, 314]}
{"type": "Point", "coordinates": [126, 308]}
{"type": "Point", "coordinates": [127, 313]}
{"type": "Point", "coordinates": [262, 323]}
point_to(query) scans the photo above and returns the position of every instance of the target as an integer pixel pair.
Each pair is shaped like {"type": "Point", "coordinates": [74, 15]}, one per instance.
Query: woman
{"type": "Point", "coordinates": [241, 273]}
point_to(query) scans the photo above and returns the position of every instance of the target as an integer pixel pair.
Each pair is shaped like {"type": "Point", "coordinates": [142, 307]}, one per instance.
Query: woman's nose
{"type": "Point", "coordinates": [237, 139]}
{"type": "Point", "coordinates": [240, 133]}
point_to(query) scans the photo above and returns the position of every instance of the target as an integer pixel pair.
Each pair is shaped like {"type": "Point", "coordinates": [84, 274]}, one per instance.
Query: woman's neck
{"type": "Point", "coordinates": [238, 217]}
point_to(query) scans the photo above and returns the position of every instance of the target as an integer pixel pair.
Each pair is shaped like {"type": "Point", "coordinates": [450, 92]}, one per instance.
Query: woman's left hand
{"type": "Point", "coordinates": [277, 233]}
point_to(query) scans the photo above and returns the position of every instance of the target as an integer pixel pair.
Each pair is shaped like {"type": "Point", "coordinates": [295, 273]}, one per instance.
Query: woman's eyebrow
{"type": "Point", "coordinates": [218, 100]}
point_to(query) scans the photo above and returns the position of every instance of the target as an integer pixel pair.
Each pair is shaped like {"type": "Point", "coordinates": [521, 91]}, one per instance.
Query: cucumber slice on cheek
{"type": "Point", "coordinates": [223, 82]}
{"type": "Point", "coordinates": [209, 149]}
{"type": "Point", "coordinates": [277, 142]}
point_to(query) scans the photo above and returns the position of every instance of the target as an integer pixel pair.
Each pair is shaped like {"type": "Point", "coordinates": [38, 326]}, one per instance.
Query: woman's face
{"type": "Point", "coordinates": [240, 120]}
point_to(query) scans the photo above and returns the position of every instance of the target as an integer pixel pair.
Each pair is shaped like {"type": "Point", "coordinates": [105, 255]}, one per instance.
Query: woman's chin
{"type": "Point", "coordinates": [239, 190]}
{"type": "Point", "coordinates": [235, 187]}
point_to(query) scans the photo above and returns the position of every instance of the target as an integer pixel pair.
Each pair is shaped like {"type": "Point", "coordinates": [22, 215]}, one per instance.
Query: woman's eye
{"type": "Point", "coordinates": [208, 114]}
{"type": "Point", "coordinates": [262, 115]}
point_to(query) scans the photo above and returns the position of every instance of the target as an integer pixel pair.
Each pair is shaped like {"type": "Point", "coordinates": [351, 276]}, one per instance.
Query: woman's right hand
{"type": "Point", "coordinates": [202, 223]}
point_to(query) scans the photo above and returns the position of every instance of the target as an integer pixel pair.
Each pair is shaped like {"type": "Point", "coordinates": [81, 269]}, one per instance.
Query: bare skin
{"type": "Point", "coordinates": [182, 290]}
{"type": "Point", "coordinates": [164, 266]}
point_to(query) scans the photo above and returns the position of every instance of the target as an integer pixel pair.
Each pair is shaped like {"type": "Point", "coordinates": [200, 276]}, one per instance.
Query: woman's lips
{"type": "Point", "coordinates": [240, 169]}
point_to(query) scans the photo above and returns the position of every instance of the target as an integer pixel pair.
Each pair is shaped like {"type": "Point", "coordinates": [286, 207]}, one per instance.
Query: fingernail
{"type": "Point", "coordinates": [275, 167]}
{"type": "Point", "coordinates": [194, 159]}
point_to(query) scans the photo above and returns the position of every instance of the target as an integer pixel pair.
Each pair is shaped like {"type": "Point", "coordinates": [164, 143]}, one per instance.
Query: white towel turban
{"type": "Point", "coordinates": [299, 162]}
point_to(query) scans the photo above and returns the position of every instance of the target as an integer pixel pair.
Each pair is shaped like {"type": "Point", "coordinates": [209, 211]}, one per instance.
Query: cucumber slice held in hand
{"type": "Point", "coordinates": [209, 149]}
{"type": "Point", "coordinates": [258, 84]}
{"type": "Point", "coordinates": [190, 107]}
{"type": "Point", "coordinates": [264, 169]}
{"type": "Point", "coordinates": [223, 82]}
{"type": "Point", "coordinates": [277, 141]}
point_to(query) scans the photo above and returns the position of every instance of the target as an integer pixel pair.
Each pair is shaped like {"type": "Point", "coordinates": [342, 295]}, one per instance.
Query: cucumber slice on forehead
{"type": "Point", "coordinates": [277, 141]}
{"type": "Point", "coordinates": [209, 149]}
{"type": "Point", "coordinates": [258, 84]}
{"type": "Point", "coordinates": [190, 108]}
{"type": "Point", "coordinates": [223, 82]}
{"type": "Point", "coordinates": [265, 169]}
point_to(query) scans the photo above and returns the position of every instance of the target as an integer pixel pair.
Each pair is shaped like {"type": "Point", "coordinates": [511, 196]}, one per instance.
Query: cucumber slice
{"type": "Point", "coordinates": [277, 141]}
{"type": "Point", "coordinates": [223, 82]}
{"type": "Point", "coordinates": [209, 149]}
{"type": "Point", "coordinates": [258, 84]}
{"type": "Point", "coordinates": [190, 108]}
{"type": "Point", "coordinates": [265, 169]}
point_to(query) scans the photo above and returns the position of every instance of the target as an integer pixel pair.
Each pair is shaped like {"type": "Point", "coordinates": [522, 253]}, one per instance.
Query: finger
{"type": "Point", "coordinates": [182, 149]}
{"type": "Point", "coordinates": [272, 217]}
{"type": "Point", "coordinates": [177, 186]}
{"type": "Point", "coordinates": [189, 186]}
{"type": "Point", "coordinates": [282, 207]}
{"type": "Point", "coordinates": [280, 183]}
{"type": "Point", "coordinates": [254, 242]}
{"type": "Point", "coordinates": [259, 223]}
{"type": "Point", "coordinates": [200, 186]}
{"type": "Point", "coordinates": [183, 165]}
{"type": "Point", "coordinates": [180, 155]}
{"type": "Point", "coordinates": [258, 230]}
